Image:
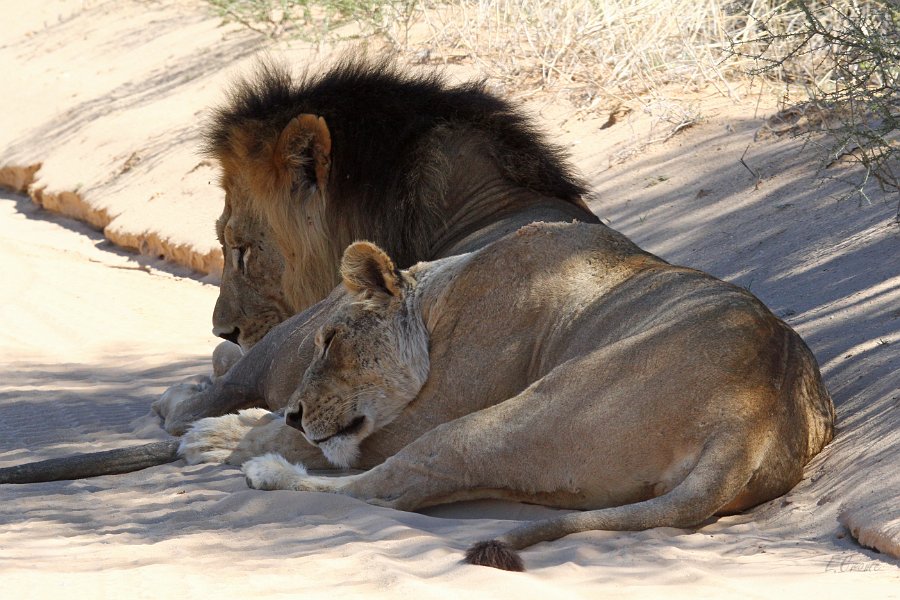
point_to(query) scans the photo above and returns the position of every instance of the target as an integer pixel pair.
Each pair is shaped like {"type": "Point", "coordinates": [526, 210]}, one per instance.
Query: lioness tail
{"type": "Point", "coordinates": [717, 478]}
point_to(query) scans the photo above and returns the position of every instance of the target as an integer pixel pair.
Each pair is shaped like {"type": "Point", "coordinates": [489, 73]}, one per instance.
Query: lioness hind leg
{"type": "Point", "coordinates": [503, 452]}
{"type": "Point", "coordinates": [722, 473]}
{"type": "Point", "coordinates": [488, 454]}
{"type": "Point", "coordinates": [446, 464]}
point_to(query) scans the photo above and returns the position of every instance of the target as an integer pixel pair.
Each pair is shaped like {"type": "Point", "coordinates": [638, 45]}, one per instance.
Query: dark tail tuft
{"type": "Point", "coordinates": [494, 554]}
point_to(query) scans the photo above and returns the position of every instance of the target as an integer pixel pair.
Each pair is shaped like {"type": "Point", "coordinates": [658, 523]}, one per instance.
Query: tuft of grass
{"type": "Point", "coordinates": [614, 47]}
{"type": "Point", "coordinates": [322, 19]}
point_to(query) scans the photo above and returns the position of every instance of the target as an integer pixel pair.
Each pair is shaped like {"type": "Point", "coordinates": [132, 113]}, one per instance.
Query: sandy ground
{"type": "Point", "coordinates": [94, 334]}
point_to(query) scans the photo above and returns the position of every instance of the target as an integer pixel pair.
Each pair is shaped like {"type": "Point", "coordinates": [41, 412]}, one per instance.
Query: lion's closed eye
{"type": "Point", "coordinates": [239, 257]}
{"type": "Point", "coordinates": [324, 339]}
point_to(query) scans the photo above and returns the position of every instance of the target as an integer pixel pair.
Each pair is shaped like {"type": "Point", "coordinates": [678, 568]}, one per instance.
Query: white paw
{"type": "Point", "coordinates": [216, 439]}
{"type": "Point", "coordinates": [178, 393]}
{"type": "Point", "coordinates": [272, 472]}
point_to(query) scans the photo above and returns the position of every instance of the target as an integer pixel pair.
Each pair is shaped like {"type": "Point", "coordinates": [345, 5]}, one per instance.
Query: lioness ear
{"type": "Point", "coordinates": [305, 143]}
{"type": "Point", "coordinates": [366, 269]}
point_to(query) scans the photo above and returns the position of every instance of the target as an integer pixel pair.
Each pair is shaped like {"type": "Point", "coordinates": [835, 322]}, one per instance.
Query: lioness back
{"type": "Point", "coordinates": [571, 289]}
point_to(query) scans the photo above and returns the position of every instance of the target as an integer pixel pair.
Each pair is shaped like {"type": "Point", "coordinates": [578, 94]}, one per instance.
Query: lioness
{"type": "Point", "coordinates": [561, 365]}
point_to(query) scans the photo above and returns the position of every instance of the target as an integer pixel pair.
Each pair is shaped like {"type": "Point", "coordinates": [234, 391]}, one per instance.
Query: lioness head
{"type": "Point", "coordinates": [371, 358]}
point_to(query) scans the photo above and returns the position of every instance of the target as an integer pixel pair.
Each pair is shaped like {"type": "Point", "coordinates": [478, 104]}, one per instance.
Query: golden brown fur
{"type": "Point", "coordinates": [560, 365]}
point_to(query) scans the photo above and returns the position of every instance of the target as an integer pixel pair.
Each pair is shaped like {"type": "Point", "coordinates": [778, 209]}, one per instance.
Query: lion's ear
{"type": "Point", "coordinates": [305, 143]}
{"type": "Point", "coordinates": [368, 270]}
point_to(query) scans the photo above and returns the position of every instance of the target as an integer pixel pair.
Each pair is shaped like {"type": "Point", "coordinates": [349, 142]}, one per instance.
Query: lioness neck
{"type": "Point", "coordinates": [434, 286]}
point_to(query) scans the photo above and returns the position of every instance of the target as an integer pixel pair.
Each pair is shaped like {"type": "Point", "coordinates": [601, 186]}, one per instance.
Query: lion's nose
{"type": "Point", "coordinates": [231, 336]}
{"type": "Point", "coordinates": [294, 419]}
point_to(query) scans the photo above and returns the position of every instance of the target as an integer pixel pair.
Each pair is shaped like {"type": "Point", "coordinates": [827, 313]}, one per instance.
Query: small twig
{"type": "Point", "coordinates": [143, 268]}
{"type": "Point", "coordinates": [679, 127]}
{"type": "Point", "coordinates": [752, 172]}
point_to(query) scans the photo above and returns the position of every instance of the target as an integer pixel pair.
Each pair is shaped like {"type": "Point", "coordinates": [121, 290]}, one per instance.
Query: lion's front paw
{"type": "Point", "coordinates": [273, 472]}
{"type": "Point", "coordinates": [217, 439]}
{"type": "Point", "coordinates": [178, 393]}
{"type": "Point", "coordinates": [225, 356]}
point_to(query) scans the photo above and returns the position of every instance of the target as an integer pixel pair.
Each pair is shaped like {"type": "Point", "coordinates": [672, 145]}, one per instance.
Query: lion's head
{"type": "Point", "coordinates": [371, 358]}
{"type": "Point", "coordinates": [363, 151]}
{"type": "Point", "coordinates": [278, 248]}
{"type": "Point", "coordinates": [251, 297]}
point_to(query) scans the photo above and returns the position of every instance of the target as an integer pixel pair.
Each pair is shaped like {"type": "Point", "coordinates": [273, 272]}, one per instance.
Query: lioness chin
{"type": "Point", "coordinates": [561, 365]}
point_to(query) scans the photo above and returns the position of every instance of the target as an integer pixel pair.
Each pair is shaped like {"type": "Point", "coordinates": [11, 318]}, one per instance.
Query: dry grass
{"type": "Point", "coordinates": [589, 47]}
{"type": "Point", "coordinates": [841, 60]}
{"type": "Point", "coordinates": [838, 56]}
{"type": "Point", "coordinates": [629, 47]}
{"type": "Point", "coordinates": [614, 48]}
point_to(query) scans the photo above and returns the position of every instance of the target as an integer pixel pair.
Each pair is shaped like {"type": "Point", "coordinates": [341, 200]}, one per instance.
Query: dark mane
{"type": "Point", "coordinates": [378, 117]}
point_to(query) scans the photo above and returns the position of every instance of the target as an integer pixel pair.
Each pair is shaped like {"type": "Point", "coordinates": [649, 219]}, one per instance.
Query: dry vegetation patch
{"type": "Point", "coordinates": [837, 57]}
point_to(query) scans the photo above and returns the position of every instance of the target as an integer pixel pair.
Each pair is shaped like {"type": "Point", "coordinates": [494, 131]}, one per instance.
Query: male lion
{"type": "Point", "coordinates": [364, 151]}
{"type": "Point", "coordinates": [563, 366]}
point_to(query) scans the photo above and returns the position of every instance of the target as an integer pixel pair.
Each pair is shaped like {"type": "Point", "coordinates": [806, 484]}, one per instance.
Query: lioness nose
{"type": "Point", "coordinates": [294, 419]}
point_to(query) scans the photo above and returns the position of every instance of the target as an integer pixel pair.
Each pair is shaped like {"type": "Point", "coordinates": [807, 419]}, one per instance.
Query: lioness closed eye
{"type": "Point", "coordinates": [580, 371]}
